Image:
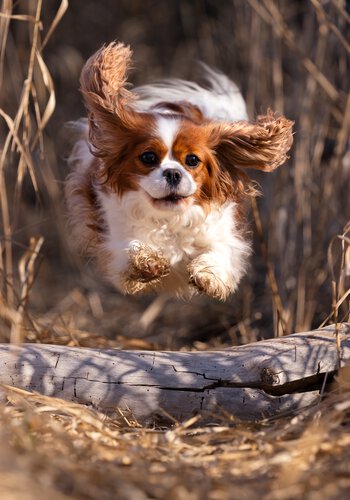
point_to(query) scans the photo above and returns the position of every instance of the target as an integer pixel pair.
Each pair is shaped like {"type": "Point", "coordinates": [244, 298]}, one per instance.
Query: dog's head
{"type": "Point", "coordinates": [172, 154]}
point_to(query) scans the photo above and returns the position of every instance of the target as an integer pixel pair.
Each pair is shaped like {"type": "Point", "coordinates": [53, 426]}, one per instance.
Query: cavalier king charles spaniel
{"type": "Point", "coordinates": [158, 188]}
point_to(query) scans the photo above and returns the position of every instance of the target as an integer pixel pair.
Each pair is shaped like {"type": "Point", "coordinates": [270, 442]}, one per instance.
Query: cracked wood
{"type": "Point", "coordinates": [253, 381]}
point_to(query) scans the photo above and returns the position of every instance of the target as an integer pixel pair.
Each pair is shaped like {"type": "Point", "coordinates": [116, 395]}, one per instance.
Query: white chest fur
{"type": "Point", "coordinates": [211, 238]}
{"type": "Point", "coordinates": [178, 235]}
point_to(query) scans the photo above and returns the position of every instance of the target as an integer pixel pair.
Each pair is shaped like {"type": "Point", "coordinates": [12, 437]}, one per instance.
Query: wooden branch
{"type": "Point", "coordinates": [254, 381]}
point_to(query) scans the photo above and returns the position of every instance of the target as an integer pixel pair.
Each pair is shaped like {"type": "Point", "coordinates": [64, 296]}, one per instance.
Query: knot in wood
{"type": "Point", "coordinates": [269, 377]}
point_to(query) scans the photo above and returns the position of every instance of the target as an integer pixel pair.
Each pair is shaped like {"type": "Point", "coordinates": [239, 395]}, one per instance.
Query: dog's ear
{"type": "Point", "coordinates": [262, 145]}
{"type": "Point", "coordinates": [109, 103]}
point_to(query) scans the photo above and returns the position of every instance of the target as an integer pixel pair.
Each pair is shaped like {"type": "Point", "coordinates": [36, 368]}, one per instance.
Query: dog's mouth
{"type": "Point", "coordinates": [171, 201]}
{"type": "Point", "coordinates": [173, 198]}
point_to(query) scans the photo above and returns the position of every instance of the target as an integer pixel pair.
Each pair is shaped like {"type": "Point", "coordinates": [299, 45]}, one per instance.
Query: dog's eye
{"type": "Point", "coordinates": [149, 158]}
{"type": "Point", "coordinates": [192, 161]}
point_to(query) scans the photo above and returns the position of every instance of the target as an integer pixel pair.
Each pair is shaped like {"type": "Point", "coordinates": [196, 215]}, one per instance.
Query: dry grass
{"type": "Point", "coordinates": [55, 448]}
{"type": "Point", "coordinates": [292, 56]}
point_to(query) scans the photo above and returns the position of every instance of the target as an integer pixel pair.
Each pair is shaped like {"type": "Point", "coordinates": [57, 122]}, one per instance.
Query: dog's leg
{"type": "Point", "coordinates": [145, 267]}
{"type": "Point", "coordinates": [209, 278]}
{"type": "Point", "coordinates": [218, 272]}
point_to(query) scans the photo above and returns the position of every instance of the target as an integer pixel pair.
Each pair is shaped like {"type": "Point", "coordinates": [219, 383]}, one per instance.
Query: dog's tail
{"type": "Point", "coordinates": [219, 100]}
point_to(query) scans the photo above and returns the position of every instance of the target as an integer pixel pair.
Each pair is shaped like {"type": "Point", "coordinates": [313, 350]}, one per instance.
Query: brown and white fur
{"type": "Point", "coordinates": [158, 184]}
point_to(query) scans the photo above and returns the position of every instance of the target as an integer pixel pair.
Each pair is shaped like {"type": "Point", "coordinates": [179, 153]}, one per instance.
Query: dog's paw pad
{"type": "Point", "coordinates": [147, 265]}
{"type": "Point", "coordinates": [154, 268]}
{"type": "Point", "coordinates": [206, 281]}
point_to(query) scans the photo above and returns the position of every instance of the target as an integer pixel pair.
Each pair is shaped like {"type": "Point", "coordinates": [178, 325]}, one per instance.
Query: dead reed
{"type": "Point", "coordinates": [27, 104]}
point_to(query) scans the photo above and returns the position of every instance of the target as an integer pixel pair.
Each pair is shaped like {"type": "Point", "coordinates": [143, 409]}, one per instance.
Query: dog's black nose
{"type": "Point", "coordinates": [173, 176]}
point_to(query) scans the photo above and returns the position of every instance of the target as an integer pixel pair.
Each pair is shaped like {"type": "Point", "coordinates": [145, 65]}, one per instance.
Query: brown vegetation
{"type": "Point", "coordinates": [292, 56]}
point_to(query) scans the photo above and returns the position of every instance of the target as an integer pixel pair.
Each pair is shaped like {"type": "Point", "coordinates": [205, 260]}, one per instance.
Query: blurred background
{"type": "Point", "coordinates": [292, 56]}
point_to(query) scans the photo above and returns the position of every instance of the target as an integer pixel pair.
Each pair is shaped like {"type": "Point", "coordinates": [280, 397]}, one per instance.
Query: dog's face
{"type": "Point", "coordinates": [170, 160]}
{"type": "Point", "coordinates": [169, 178]}
{"type": "Point", "coordinates": [172, 154]}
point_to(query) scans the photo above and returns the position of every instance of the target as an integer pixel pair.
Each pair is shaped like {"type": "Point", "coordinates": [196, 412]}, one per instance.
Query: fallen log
{"type": "Point", "coordinates": [253, 381]}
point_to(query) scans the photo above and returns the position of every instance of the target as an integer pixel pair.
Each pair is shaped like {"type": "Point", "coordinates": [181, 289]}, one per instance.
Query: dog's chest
{"type": "Point", "coordinates": [179, 236]}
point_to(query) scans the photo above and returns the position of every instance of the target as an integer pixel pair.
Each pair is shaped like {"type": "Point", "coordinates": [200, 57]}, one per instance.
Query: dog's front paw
{"type": "Point", "coordinates": [145, 266]}
{"type": "Point", "coordinates": [207, 280]}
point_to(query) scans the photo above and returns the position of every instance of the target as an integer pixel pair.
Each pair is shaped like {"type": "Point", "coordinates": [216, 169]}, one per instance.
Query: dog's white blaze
{"type": "Point", "coordinates": [167, 129]}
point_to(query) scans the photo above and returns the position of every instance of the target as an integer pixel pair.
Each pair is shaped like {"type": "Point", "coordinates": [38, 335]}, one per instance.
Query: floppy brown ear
{"type": "Point", "coordinates": [262, 145]}
{"type": "Point", "coordinates": [109, 103]}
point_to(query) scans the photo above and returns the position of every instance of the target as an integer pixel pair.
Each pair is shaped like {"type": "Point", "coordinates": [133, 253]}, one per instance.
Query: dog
{"type": "Point", "coordinates": [158, 187]}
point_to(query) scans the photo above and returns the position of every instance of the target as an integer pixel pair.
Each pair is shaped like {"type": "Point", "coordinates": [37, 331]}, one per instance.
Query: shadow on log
{"type": "Point", "coordinates": [254, 381]}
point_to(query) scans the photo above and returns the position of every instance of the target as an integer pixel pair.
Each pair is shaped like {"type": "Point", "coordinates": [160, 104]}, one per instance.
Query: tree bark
{"type": "Point", "coordinates": [253, 381]}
